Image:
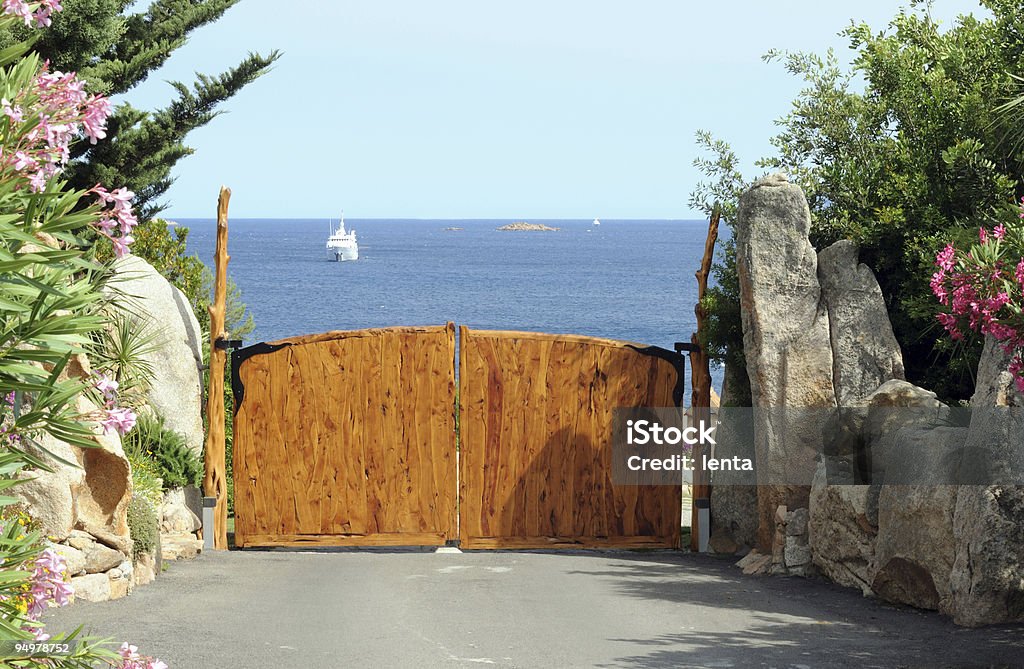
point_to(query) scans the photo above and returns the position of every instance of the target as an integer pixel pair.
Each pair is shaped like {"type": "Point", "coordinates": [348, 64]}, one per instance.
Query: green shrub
{"type": "Point", "coordinates": [143, 525]}
{"type": "Point", "coordinates": [145, 475]}
{"type": "Point", "coordinates": [175, 463]}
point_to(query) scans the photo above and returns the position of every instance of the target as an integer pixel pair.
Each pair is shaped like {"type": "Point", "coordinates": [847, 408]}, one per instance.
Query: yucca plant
{"type": "Point", "coordinates": [121, 350]}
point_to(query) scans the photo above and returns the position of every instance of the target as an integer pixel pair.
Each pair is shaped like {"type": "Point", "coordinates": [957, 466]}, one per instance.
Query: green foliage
{"type": "Point", "coordinates": [906, 164]}
{"type": "Point", "coordinates": [51, 307]}
{"type": "Point", "coordinates": [116, 49]}
{"type": "Point", "coordinates": [120, 350]}
{"type": "Point", "coordinates": [143, 525]}
{"type": "Point", "coordinates": [722, 167]}
{"type": "Point", "coordinates": [722, 337]}
{"type": "Point", "coordinates": [146, 481]}
{"type": "Point", "coordinates": [167, 253]}
{"type": "Point", "coordinates": [50, 298]}
{"type": "Point", "coordinates": [175, 463]}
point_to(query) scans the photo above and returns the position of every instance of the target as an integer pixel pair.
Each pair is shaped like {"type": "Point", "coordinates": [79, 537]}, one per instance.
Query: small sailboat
{"type": "Point", "coordinates": [342, 245]}
{"type": "Point", "coordinates": [597, 222]}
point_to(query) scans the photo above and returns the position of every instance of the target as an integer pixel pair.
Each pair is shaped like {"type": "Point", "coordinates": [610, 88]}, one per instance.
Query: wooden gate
{"type": "Point", "coordinates": [346, 438]}
{"type": "Point", "coordinates": [535, 441]}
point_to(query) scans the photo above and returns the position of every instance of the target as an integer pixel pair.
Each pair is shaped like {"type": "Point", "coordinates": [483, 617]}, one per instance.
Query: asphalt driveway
{"type": "Point", "coordinates": [263, 609]}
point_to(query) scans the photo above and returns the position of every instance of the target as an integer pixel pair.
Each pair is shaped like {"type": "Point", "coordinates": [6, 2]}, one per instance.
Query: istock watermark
{"type": "Point", "coordinates": [794, 446]}
{"type": "Point", "coordinates": [656, 447]}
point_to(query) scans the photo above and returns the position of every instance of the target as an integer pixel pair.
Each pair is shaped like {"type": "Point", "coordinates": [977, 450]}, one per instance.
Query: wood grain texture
{"type": "Point", "coordinates": [535, 445]}
{"type": "Point", "coordinates": [215, 476]}
{"type": "Point", "coordinates": [348, 438]}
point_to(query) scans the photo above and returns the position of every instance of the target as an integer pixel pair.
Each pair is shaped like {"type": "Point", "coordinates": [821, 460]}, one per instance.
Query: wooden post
{"type": "Point", "coordinates": [215, 481]}
{"type": "Point", "coordinates": [700, 378]}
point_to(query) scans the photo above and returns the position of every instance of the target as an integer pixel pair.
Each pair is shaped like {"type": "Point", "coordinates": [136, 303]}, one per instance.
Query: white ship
{"type": "Point", "coordinates": [341, 245]}
{"type": "Point", "coordinates": [597, 222]}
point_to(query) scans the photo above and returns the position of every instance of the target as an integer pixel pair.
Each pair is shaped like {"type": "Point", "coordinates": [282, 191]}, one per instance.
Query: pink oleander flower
{"type": "Point", "coordinates": [982, 290]}
{"type": "Point", "coordinates": [938, 286]}
{"type": "Point", "coordinates": [107, 386]}
{"type": "Point", "coordinates": [945, 258]}
{"type": "Point", "coordinates": [121, 245]}
{"type": "Point", "coordinates": [95, 119]}
{"type": "Point", "coordinates": [132, 659]}
{"type": "Point", "coordinates": [48, 583]}
{"type": "Point", "coordinates": [118, 215]}
{"type": "Point", "coordinates": [37, 182]}
{"type": "Point", "coordinates": [13, 112]}
{"type": "Point", "coordinates": [18, 8]}
{"type": "Point", "coordinates": [119, 419]}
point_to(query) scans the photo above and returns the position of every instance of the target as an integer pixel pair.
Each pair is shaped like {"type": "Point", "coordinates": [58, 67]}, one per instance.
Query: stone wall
{"type": "Point", "coordinates": [82, 505]}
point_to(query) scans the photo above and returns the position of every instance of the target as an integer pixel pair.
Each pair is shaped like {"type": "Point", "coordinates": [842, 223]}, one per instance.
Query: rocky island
{"type": "Point", "coordinates": [521, 226]}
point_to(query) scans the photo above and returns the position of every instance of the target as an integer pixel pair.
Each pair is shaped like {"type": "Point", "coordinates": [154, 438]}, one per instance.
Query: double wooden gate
{"type": "Point", "coordinates": [349, 438]}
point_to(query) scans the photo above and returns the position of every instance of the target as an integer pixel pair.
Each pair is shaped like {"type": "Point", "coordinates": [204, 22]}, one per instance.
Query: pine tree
{"type": "Point", "coordinates": [115, 50]}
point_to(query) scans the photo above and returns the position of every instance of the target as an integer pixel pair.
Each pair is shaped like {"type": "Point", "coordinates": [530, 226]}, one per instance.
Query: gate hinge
{"type": "Point", "coordinates": [225, 344]}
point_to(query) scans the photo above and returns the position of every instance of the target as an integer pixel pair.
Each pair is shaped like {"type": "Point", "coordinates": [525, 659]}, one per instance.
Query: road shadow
{"type": "Point", "coordinates": [792, 621]}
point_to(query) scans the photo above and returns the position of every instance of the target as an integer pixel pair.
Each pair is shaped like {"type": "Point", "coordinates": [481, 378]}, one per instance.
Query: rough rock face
{"type": "Point", "coordinates": [916, 544]}
{"type": "Point", "coordinates": [176, 390]}
{"type": "Point", "coordinates": [842, 527]}
{"type": "Point", "coordinates": [996, 437]}
{"type": "Point", "coordinates": [49, 496]}
{"type": "Point", "coordinates": [986, 583]}
{"type": "Point", "coordinates": [92, 588]}
{"type": "Point", "coordinates": [175, 516]}
{"type": "Point", "coordinates": [73, 558]}
{"type": "Point", "coordinates": [92, 495]}
{"type": "Point", "coordinates": [987, 586]}
{"type": "Point", "coordinates": [733, 506]}
{"type": "Point", "coordinates": [102, 500]}
{"type": "Point", "coordinates": [98, 558]}
{"type": "Point", "coordinates": [865, 352]}
{"type": "Point", "coordinates": [785, 336]}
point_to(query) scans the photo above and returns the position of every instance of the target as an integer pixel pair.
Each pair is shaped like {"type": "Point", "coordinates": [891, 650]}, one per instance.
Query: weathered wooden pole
{"type": "Point", "coordinates": [700, 380]}
{"type": "Point", "coordinates": [215, 482]}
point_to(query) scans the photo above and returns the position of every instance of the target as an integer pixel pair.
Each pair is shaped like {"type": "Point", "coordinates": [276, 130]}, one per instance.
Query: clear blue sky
{"type": "Point", "coordinates": [463, 109]}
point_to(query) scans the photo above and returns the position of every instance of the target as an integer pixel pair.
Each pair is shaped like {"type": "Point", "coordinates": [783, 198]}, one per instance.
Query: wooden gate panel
{"type": "Point", "coordinates": [535, 442]}
{"type": "Point", "coordinates": [346, 438]}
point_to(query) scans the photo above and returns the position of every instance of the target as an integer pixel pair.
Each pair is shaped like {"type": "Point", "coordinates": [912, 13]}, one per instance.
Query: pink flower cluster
{"type": "Point", "coordinates": [114, 418]}
{"type": "Point", "coordinates": [44, 119]}
{"type": "Point", "coordinates": [48, 583]}
{"type": "Point", "coordinates": [116, 220]}
{"type": "Point", "coordinates": [983, 290]}
{"type": "Point", "coordinates": [131, 659]}
{"type": "Point", "coordinates": [59, 109]}
{"type": "Point", "coordinates": [41, 15]}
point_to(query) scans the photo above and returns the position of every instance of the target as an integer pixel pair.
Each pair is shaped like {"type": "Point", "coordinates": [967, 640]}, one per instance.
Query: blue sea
{"type": "Point", "coordinates": [629, 280]}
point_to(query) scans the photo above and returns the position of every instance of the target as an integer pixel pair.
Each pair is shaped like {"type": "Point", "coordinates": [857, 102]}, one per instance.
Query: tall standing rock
{"type": "Point", "coordinates": [785, 339]}
{"type": "Point", "coordinates": [155, 305]}
{"type": "Point", "coordinates": [986, 581]}
{"type": "Point", "coordinates": [865, 353]}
